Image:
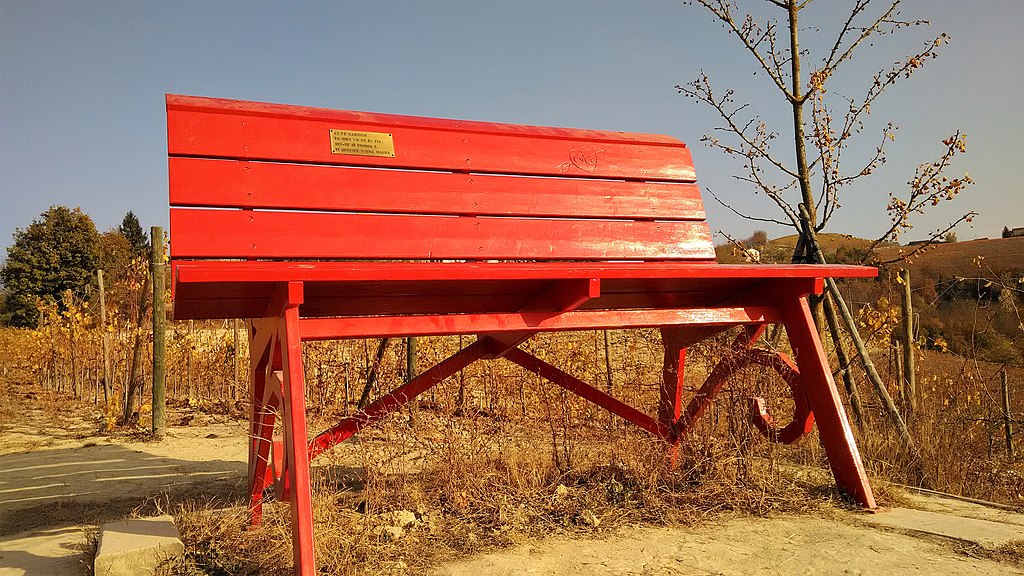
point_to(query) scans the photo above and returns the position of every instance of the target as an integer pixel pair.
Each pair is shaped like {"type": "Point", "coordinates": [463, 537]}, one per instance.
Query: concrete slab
{"type": "Point", "coordinates": [955, 507]}
{"type": "Point", "coordinates": [984, 533]}
{"type": "Point", "coordinates": [136, 547]}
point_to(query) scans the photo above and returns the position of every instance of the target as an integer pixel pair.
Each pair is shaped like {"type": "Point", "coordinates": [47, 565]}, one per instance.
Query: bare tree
{"type": "Point", "coordinates": [819, 137]}
{"type": "Point", "coordinates": [825, 123]}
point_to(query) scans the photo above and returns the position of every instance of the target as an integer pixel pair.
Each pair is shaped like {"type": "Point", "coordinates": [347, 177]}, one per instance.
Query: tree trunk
{"type": "Point", "coordinates": [803, 251]}
{"type": "Point", "coordinates": [371, 377]}
{"type": "Point", "coordinates": [862, 349]}
{"type": "Point", "coordinates": [134, 378]}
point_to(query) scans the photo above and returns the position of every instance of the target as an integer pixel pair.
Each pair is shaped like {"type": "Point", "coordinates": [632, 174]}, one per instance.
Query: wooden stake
{"type": "Point", "coordinates": [109, 399]}
{"type": "Point", "coordinates": [234, 381]}
{"type": "Point", "coordinates": [159, 332]}
{"type": "Point", "coordinates": [410, 374]}
{"type": "Point", "coordinates": [609, 381]}
{"type": "Point", "coordinates": [410, 358]}
{"type": "Point", "coordinates": [862, 349]}
{"type": "Point", "coordinates": [844, 362]}
{"type": "Point", "coordinates": [909, 381]}
{"type": "Point", "coordinates": [1006, 413]}
{"type": "Point", "coordinates": [134, 383]}
{"type": "Point", "coordinates": [371, 377]}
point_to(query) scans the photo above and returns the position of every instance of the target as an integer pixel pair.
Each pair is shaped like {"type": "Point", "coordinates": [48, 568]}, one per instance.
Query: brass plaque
{"type": "Point", "coordinates": [362, 143]}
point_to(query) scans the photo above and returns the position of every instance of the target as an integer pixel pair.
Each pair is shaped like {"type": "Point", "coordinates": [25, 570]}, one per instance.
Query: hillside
{"type": "Point", "coordinates": [957, 259]}
{"type": "Point", "coordinates": [998, 256]}
{"type": "Point", "coordinates": [781, 249]}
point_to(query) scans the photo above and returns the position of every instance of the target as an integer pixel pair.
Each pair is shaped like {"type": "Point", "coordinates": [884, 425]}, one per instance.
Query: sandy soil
{"type": "Point", "coordinates": [59, 479]}
{"type": "Point", "coordinates": [738, 546]}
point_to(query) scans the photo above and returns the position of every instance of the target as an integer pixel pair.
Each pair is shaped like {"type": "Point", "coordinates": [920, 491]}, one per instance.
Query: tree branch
{"type": "Point", "coordinates": [722, 9]}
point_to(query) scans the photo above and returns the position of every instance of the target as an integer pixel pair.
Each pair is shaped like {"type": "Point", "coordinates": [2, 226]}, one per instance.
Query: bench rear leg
{"type": "Point", "coordinates": [670, 402]}
{"type": "Point", "coordinates": [263, 412]}
{"type": "Point", "coordinates": [676, 339]}
{"type": "Point", "coordinates": [823, 397]}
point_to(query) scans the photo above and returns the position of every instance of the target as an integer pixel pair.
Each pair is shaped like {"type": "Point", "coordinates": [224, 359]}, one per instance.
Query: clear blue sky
{"type": "Point", "coordinates": [82, 85]}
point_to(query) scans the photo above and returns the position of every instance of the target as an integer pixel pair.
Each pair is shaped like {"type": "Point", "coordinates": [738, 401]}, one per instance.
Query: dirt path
{"type": "Point", "coordinates": [738, 546]}
{"type": "Point", "coordinates": [58, 479]}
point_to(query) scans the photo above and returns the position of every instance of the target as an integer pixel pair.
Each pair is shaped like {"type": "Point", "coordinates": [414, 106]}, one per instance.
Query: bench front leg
{"type": "Point", "coordinates": [823, 397]}
{"type": "Point", "coordinates": [296, 453]}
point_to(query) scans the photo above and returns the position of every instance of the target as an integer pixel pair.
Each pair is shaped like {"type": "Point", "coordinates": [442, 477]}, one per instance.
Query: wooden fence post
{"type": "Point", "coordinates": [609, 379]}
{"type": "Point", "coordinates": [909, 380]}
{"type": "Point", "coordinates": [410, 374]}
{"type": "Point", "coordinates": [236, 342]}
{"type": "Point", "coordinates": [410, 358]}
{"type": "Point", "coordinates": [109, 402]}
{"type": "Point", "coordinates": [1006, 413]}
{"type": "Point", "coordinates": [156, 265]}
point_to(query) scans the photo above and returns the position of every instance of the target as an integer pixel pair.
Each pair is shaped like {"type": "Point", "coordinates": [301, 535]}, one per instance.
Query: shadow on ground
{"type": "Point", "coordinates": [95, 484]}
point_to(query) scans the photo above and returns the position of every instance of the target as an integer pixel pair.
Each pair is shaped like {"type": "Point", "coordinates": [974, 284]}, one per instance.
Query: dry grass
{"type": "Point", "coordinates": [485, 486]}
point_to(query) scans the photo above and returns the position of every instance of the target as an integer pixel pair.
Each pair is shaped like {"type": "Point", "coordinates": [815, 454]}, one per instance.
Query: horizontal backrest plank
{"type": "Point", "coordinates": [259, 234]}
{"type": "Point", "coordinates": [206, 127]}
{"type": "Point", "coordinates": [241, 184]}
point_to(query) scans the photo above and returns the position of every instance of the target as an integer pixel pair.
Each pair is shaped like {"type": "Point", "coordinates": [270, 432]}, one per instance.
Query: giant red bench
{"type": "Point", "coordinates": [327, 224]}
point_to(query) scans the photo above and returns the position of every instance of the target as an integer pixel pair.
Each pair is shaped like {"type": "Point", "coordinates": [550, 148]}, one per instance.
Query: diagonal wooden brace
{"type": "Point", "coordinates": [397, 398]}
{"type": "Point", "coordinates": [716, 380]}
{"type": "Point", "coordinates": [586, 391]}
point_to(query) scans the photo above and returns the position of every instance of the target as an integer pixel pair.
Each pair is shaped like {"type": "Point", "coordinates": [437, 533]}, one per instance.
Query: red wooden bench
{"type": "Point", "coordinates": [326, 224]}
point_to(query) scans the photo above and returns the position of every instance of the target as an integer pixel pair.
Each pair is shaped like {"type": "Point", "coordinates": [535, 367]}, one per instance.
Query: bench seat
{"type": "Point", "coordinates": [218, 289]}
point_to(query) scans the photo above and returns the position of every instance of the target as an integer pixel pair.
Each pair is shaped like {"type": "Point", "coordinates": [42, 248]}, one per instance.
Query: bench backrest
{"type": "Point", "coordinates": [266, 181]}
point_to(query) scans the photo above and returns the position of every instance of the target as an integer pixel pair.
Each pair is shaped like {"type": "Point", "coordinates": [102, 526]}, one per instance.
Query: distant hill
{"type": "Point", "coordinates": [959, 258]}
{"type": "Point", "coordinates": [942, 259]}
{"type": "Point", "coordinates": [780, 250]}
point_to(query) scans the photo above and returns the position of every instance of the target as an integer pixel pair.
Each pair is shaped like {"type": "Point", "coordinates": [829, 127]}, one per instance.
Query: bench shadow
{"type": "Point", "coordinates": [100, 483]}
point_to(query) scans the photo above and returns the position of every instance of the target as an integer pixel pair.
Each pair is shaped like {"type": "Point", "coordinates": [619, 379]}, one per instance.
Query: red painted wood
{"type": "Point", "coordinates": [435, 301]}
{"type": "Point", "coordinates": [833, 426]}
{"type": "Point", "coordinates": [428, 325]}
{"type": "Point", "coordinates": [403, 297]}
{"type": "Point", "coordinates": [563, 295]}
{"type": "Point", "coordinates": [717, 379]}
{"type": "Point", "coordinates": [257, 131]}
{"type": "Point", "coordinates": [263, 411]}
{"type": "Point", "coordinates": [295, 438]}
{"type": "Point", "coordinates": [670, 397]}
{"type": "Point", "coordinates": [242, 234]}
{"type": "Point", "coordinates": [204, 271]}
{"type": "Point", "coordinates": [236, 184]}
{"type": "Point", "coordinates": [584, 390]}
{"type": "Point", "coordinates": [397, 398]}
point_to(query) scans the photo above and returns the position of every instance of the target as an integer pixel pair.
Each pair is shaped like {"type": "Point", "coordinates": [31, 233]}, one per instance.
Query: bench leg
{"type": "Point", "coordinates": [262, 415]}
{"type": "Point", "coordinates": [670, 402]}
{"type": "Point", "coordinates": [586, 391]}
{"type": "Point", "coordinates": [676, 339]}
{"type": "Point", "coordinates": [833, 426]}
{"type": "Point", "coordinates": [715, 381]}
{"type": "Point", "coordinates": [296, 454]}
